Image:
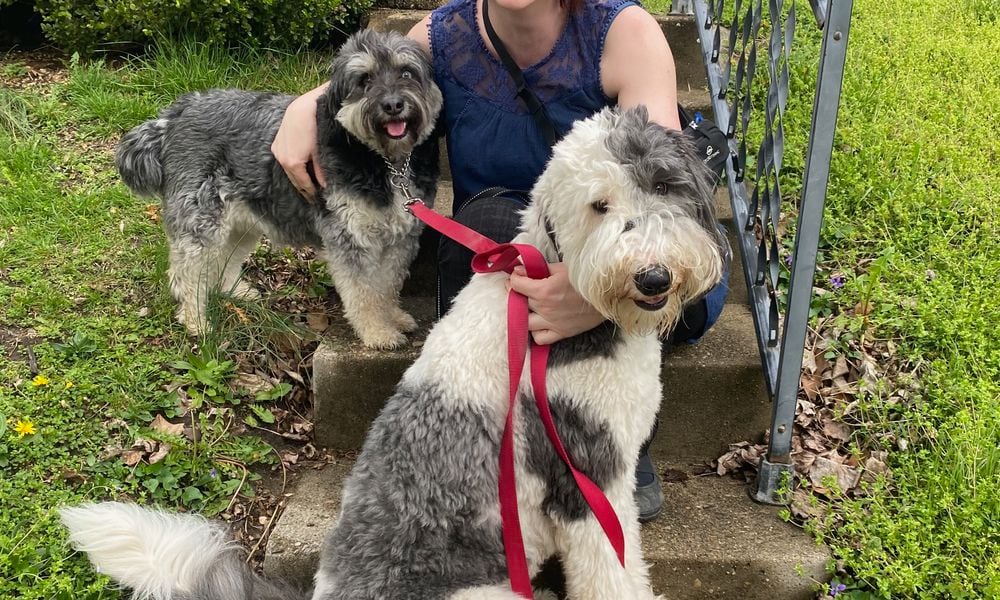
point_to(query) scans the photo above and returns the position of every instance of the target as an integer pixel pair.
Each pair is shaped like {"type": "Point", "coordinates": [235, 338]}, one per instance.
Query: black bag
{"type": "Point", "coordinates": [712, 145]}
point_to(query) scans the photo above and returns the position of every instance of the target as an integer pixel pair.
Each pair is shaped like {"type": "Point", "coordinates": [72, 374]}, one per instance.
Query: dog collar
{"type": "Point", "coordinates": [399, 177]}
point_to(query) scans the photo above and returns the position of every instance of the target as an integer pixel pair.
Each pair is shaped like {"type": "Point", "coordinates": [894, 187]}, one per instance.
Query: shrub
{"type": "Point", "coordinates": [84, 25]}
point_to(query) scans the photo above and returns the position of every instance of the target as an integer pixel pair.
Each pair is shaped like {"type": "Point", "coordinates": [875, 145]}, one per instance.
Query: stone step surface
{"type": "Point", "coordinates": [713, 391]}
{"type": "Point", "coordinates": [711, 541]}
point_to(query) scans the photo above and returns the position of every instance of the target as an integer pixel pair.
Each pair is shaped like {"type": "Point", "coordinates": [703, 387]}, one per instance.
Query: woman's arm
{"type": "Point", "coordinates": [294, 146]}
{"type": "Point", "coordinates": [638, 68]}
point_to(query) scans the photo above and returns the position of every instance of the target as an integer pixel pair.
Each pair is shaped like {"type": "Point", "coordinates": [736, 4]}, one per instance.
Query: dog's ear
{"type": "Point", "coordinates": [344, 70]}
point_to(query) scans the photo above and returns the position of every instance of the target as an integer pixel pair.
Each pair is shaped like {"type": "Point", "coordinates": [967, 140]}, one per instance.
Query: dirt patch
{"type": "Point", "coordinates": [17, 344]}
{"type": "Point", "coordinates": [32, 70]}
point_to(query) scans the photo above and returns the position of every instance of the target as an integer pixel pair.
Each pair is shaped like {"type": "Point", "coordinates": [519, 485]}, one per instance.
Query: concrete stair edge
{"type": "Point", "coordinates": [713, 391]}
{"type": "Point", "coordinates": [711, 541]}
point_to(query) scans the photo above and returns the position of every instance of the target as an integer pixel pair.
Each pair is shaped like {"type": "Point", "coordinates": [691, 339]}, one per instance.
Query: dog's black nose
{"type": "Point", "coordinates": [652, 280]}
{"type": "Point", "coordinates": [392, 105]}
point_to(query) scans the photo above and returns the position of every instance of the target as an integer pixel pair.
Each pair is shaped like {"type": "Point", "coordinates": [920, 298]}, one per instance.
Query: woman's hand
{"type": "Point", "coordinates": [558, 311]}
{"type": "Point", "coordinates": [294, 146]}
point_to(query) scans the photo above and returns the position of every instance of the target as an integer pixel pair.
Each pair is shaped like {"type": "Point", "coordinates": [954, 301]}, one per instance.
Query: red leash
{"type": "Point", "coordinates": [492, 257]}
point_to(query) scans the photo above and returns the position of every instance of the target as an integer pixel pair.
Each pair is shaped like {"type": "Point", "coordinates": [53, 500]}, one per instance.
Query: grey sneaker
{"type": "Point", "coordinates": [648, 489]}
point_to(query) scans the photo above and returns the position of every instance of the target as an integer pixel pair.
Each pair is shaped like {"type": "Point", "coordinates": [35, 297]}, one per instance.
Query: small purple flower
{"type": "Point", "coordinates": [213, 473]}
{"type": "Point", "coordinates": [788, 260]}
{"type": "Point", "coordinates": [837, 281]}
{"type": "Point", "coordinates": [836, 588]}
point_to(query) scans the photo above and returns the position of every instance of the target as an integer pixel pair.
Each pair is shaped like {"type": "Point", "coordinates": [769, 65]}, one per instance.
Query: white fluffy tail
{"type": "Point", "coordinates": [157, 554]}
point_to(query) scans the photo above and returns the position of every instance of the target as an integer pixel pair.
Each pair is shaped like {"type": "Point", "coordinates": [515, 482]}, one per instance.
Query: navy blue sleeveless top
{"type": "Point", "coordinates": [492, 139]}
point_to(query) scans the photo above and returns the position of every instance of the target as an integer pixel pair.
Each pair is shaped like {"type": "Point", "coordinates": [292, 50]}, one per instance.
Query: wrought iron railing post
{"type": "Point", "coordinates": [777, 465]}
{"type": "Point", "coordinates": [757, 216]}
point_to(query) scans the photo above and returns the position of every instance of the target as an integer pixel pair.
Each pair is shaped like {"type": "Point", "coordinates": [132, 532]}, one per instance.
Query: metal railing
{"type": "Point", "coordinates": [731, 70]}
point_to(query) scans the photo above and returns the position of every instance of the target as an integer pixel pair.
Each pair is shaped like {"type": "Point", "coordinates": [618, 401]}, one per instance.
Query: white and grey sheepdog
{"type": "Point", "coordinates": [631, 214]}
{"type": "Point", "coordinates": [208, 158]}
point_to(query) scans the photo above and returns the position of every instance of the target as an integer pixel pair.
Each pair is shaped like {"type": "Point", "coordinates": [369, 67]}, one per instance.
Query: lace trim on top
{"type": "Point", "coordinates": [460, 53]}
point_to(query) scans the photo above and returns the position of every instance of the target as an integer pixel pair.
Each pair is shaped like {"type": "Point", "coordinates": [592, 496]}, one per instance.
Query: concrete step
{"type": "Point", "coordinates": [713, 391]}
{"type": "Point", "coordinates": [710, 541]}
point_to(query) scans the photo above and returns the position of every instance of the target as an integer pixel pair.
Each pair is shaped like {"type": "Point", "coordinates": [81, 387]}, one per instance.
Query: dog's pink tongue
{"type": "Point", "coordinates": [396, 128]}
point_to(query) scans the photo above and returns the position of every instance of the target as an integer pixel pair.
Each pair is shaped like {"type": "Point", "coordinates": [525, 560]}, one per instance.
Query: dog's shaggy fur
{"type": "Point", "coordinates": [632, 217]}
{"type": "Point", "coordinates": [208, 158]}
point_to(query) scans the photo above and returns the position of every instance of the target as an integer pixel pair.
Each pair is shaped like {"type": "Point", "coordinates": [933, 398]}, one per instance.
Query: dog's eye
{"type": "Point", "coordinates": [406, 74]}
{"type": "Point", "coordinates": [600, 207]}
{"type": "Point", "coordinates": [364, 81]}
{"type": "Point", "coordinates": [661, 188]}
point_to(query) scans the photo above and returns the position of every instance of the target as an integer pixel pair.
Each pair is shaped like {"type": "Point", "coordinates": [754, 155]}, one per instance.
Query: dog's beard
{"type": "Point", "coordinates": [604, 271]}
{"type": "Point", "coordinates": [391, 136]}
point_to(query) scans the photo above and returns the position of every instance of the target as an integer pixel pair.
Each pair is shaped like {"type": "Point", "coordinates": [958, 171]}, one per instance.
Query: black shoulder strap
{"type": "Point", "coordinates": [534, 105]}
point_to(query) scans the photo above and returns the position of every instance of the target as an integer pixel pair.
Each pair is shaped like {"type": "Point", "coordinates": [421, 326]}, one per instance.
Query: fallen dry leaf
{"type": "Point", "coordinates": [845, 477]}
{"type": "Point", "coordinates": [160, 454]}
{"type": "Point", "coordinates": [251, 383]}
{"type": "Point", "coordinates": [289, 457]}
{"type": "Point", "coordinates": [834, 429]}
{"type": "Point", "coordinates": [317, 321]}
{"type": "Point", "coordinates": [164, 426]}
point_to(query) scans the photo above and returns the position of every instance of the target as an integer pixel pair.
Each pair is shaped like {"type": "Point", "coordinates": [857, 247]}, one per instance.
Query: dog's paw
{"type": "Point", "coordinates": [195, 323]}
{"type": "Point", "coordinates": [383, 338]}
{"type": "Point", "coordinates": [404, 320]}
{"type": "Point", "coordinates": [244, 291]}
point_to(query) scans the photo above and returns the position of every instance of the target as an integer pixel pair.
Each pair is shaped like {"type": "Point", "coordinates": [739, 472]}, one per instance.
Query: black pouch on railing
{"type": "Point", "coordinates": [711, 142]}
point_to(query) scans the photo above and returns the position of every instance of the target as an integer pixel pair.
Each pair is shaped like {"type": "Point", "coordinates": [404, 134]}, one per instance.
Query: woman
{"type": "Point", "coordinates": [577, 56]}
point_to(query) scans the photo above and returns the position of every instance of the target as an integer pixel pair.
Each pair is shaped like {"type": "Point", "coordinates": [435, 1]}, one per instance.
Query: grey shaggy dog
{"type": "Point", "coordinates": [627, 204]}
{"type": "Point", "coordinates": [208, 158]}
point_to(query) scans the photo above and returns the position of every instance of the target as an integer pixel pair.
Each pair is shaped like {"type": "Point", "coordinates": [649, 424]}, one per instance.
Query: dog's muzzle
{"type": "Point", "coordinates": [395, 115]}
{"type": "Point", "coordinates": [393, 107]}
{"type": "Point", "coordinates": [652, 281]}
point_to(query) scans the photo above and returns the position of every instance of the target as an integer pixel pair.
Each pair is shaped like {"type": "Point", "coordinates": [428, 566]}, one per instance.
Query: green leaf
{"type": "Point", "coordinates": [274, 393]}
{"type": "Point", "coordinates": [262, 413]}
{"type": "Point", "coordinates": [192, 493]}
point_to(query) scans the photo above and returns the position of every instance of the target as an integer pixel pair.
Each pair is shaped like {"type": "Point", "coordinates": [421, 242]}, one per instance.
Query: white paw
{"type": "Point", "coordinates": [383, 338]}
{"type": "Point", "coordinates": [244, 291]}
{"type": "Point", "coordinates": [195, 323]}
{"type": "Point", "coordinates": [404, 320]}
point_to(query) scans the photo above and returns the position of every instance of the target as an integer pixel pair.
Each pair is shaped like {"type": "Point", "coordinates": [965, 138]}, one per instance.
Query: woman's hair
{"type": "Point", "coordinates": [571, 6]}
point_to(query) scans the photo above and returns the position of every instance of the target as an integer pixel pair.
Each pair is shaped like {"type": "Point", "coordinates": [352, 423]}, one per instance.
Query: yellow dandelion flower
{"type": "Point", "coordinates": [24, 427]}
{"type": "Point", "coordinates": [40, 380]}
{"type": "Point", "coordinates": [69, 384]}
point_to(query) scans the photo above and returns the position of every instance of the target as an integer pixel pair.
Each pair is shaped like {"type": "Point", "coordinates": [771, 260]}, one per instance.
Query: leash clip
{"type": "Point", "coordinates": [408, 205]}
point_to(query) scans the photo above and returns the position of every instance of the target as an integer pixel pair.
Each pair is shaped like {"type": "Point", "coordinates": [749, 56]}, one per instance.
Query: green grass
{"type": "Point", "coordinates": [912, 184]}
{"type": "Point", "coordinates": [82, 283]}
